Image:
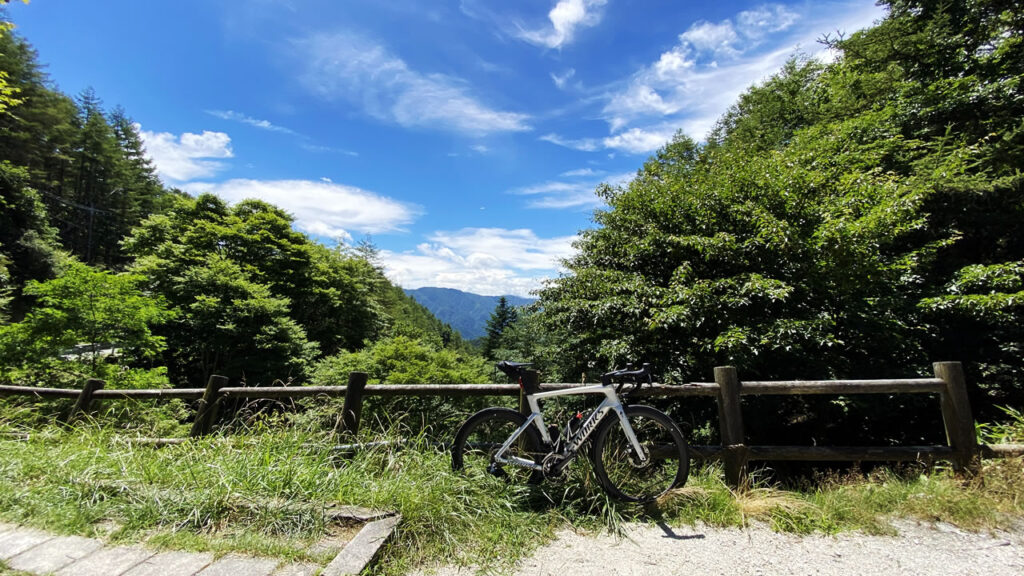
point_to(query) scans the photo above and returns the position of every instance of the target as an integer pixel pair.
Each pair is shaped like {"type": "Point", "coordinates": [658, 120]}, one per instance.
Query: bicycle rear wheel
{"type": "Point", "coordinates": [480, 437]}
{"type": "Point", "coordinates": [619, 470]}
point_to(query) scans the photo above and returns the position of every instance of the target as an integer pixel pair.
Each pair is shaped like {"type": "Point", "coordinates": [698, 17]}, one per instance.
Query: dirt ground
{"type": "Point", "coordinates": [919, 549]}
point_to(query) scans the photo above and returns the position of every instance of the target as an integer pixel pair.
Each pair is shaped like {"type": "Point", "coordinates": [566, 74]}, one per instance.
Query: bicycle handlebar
{"type": "Point", "coordinates": [637, 377]}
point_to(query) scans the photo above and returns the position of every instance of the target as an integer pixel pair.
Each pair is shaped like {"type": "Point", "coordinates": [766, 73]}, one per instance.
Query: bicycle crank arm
{"type": "Point", "coordinates": [517, 461]}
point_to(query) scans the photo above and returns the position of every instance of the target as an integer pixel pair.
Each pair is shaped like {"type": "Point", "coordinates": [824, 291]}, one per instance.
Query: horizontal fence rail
{"type": "Point", "coordinates": [949, 384]}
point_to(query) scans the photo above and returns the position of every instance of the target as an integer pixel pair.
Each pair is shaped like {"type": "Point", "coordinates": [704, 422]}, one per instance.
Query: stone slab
{"type": "Point", "coordinates": [172, 564]}
{"type": "Point", "coordinates": [54, 554]}
{"type": "Point", "coordinates": [17, 541]}
{"type": "Point", "coordinates": [235, 565]}
{"type": "Point", "coordinates": [5, 528]}
{"type": "Point", "coordinates": [107, 562]}
{"type": "Point", "coordinates": [358, 553]}
{"type": "Point", "coordinates": [297, 569]}
{"type": "Point", "coordinates": [355, 513]}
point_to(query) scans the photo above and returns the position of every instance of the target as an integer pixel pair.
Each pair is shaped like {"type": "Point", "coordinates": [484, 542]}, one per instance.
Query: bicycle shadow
{"type": "Point", "coordinates": [672, 535]}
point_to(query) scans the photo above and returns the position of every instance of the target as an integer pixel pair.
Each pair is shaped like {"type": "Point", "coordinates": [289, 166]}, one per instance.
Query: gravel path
{"type": "Point", "coordinates": [920, 549]}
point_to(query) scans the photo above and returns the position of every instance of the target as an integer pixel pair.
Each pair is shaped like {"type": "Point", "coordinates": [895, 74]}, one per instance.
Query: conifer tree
{"type": "Point", "coordinates": [502, 317]}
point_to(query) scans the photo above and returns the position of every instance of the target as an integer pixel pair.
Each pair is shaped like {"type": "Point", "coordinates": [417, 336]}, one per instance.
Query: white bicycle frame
{"type": "Point", "coordinates": [611, 403]}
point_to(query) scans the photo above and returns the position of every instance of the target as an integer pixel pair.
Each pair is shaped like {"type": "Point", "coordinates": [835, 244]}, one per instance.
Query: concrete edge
{"type": "Point", "coordinates": [361, 551]}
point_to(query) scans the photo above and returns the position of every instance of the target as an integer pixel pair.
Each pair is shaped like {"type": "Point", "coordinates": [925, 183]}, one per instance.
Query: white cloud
{"type": "Point", "coordinates": [560, 80]}
{"type": "Point", "coordinates": [692, 84]}
{"type": "Point", "coordinates": [578, 194]}
{"type": "Point", "coordinates": [322, 208]}
{"type": "Point", "coordinates": [328, 149]}
{"type": "Point", "coordinates": [249, 120]}
{"type": "Point", "coordinates": [363, 72]}
{"type": "Point", "coordinates": [491, 261]}
{"type": "Point", "coordinates": [583, 144]}
{"type": "Point", "coordinates": [565, 18]}
{"type": "Point", "coordinates": [639, 140]}
{"type": "Point", "coordinates": [186, 157]}
{"type": "Point", "coordinates": [580, 172]}
{"type": "Point", "coordinates": [720, 39]}
{"type": "Point", "coordinates": [765, 19]}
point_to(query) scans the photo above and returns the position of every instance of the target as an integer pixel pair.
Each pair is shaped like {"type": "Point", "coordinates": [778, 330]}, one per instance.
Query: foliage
{"type": "Point", "coordinates": [405, 360]}
{"type": "Point", "coordinates": [88, 166]}
{"type": "Point", "coordinates": [857, 219]}
{"type": "Point", "coordinates": [529, 339]}
{"type": "Point", "coordinates": [502, 317]}
{"type": "Point", "coordinates": [256, 298]}
{"type": "Point", "coordinates": [28, 245]}
{"type": "Point", "coordinates": [80, 313]}
{"type": "Point", "coordinates": [1010, 430]}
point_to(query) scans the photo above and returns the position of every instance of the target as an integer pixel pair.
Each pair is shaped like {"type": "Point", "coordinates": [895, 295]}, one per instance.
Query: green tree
{"type": "Point", "coordinates": [87, 310]}
{"type": "Point", "coordinates": [232, 326]}
{"type": "Point", "coordinates": [27, 242]}
{"type": "Point", "coordinates": [866, 226]}
{"type": "Point", "coordinates": [403, 360]}
{"type": "Point", "coordinates": [502, 317]}
{"type": "Point", "coordinates": [312, 298]}
{"type": "Point", "coordinates": [406, 360]}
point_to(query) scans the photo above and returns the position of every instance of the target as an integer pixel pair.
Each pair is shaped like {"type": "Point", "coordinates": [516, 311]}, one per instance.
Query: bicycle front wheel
{"type": "Point", "coordinates": [625, 476]}
{"type": "Point", "coordinates": [483, 434]}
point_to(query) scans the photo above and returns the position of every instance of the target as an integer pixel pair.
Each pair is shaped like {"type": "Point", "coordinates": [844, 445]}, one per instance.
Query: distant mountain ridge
{"type": "Point", "coordinates": [466, 312]}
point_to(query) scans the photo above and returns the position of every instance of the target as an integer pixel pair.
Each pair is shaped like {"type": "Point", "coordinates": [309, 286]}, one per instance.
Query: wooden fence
{"type": "Point", "coordinates": [949, 383]}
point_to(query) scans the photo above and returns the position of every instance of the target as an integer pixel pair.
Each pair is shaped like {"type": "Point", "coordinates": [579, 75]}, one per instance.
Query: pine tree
{"type": "Point", "coordinates": [502, 317]}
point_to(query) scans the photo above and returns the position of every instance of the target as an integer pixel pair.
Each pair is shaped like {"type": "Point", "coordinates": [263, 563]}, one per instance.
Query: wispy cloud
{"type": "Point", "coordinates": [565, 18]}
{"type": "Point", "coordinates": [583, 144]}
{"type": "Point", "coordinates": [493, 261]}
{"type": "Point", "coordinates": [580, 172]}
{"type": "Point", "coordinates": [249, 120]}
{"type": "Point", "coordinates": [640, 140]}
{"type": "Point", "coordinates": [562, 79]}
{"type": "Point", "coordinates": [327, 149]}
{"type": "Point", "coordinates": [576, 193]}
{"type": "Point", "coordinates": [363, 72]}
{"type": "Point", "coordinates": [321, 208]}
{"type": "Point", "coordinates": [691, 85]}
{"type": "Point", "coordinates": [188, 156]}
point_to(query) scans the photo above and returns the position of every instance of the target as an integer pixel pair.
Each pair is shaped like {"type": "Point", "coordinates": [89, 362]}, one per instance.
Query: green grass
{"type": "Point", "coordinates": [267, 490]}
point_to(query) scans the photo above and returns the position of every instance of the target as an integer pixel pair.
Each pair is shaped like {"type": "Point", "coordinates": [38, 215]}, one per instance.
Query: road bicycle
{"type": "Point", "coordinates": [638, 452]}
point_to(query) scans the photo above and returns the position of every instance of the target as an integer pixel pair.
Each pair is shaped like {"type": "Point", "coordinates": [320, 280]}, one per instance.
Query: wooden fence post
{"type": "Point", "coordinates": [353, 408]}
{"type": "Point", "coordinates": [730, 425]}
{"type": "Point", "coordinates": [956, 415]}
{"type": "Point", "coordinates": [206, 415]}
{"type": "Point", "coordinates": [85, 398]}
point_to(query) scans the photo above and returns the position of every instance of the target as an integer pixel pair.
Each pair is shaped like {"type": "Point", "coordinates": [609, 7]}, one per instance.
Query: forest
{"type": "Point", "coordinates": [107, 273]}
{"type": "Point", "coordinates": [858, 218]}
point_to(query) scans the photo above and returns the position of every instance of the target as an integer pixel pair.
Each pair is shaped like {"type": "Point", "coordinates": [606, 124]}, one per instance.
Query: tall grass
{"type": "Point", "coordinates": [269, 489]}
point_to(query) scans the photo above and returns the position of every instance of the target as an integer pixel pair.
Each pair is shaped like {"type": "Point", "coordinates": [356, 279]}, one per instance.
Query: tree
{"type": "Point", "coordinates": [502, 317]}
{"type": "Point", "coordinates": [866, 227]}
{"type": "Point", "coordinates": [90, 310]}
{"type": "Point", "coordinates": [8, 93]}
{"type": "Point", "coordinates": [27, 242]}
{"type": "Point", "coordinates": [313, 300]}
{"type": "Point", "coordinates": [234, 327]}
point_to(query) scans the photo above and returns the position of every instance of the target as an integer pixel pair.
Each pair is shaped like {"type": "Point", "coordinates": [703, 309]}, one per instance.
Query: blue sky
{"type": "Point", "coordinates": [464, 137]}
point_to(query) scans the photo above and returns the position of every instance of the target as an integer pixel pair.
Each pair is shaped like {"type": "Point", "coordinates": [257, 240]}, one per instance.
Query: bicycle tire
{"type": "Point", "coordinates": [616, 467]}
{"type": "Point", "coordinates": [484, 433]}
